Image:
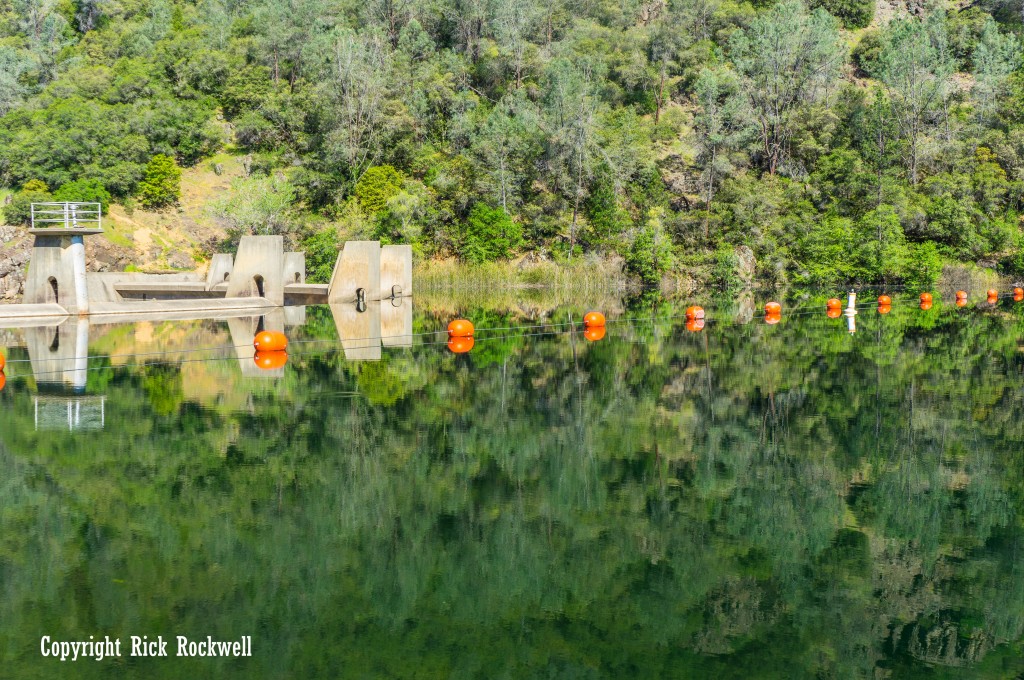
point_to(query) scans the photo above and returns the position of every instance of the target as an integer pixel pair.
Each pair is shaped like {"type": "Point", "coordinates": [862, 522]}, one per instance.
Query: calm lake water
{"type": "Point", "coordinates": [749, 500]}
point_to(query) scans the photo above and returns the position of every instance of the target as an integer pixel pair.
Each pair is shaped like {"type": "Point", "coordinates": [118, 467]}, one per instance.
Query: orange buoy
{"type": "Point", "coordinates": [461, 328]}
{"type": "Point", "coordinates": [593, 319]}
{"type": "Point", "coordinates": [884, 309]}
{"type": "Point", "coordinates": [833, 312]}
{"type": "Point", "coordinates": [3, 362]}
{"type": "Point", "coordinates": [773, 308]}
{"type": "Point", "coordinates": [884, 300]}
{"type": "Point", "coordinates": [594, 333]}
{"type": "Point", "coordinates": [695, 325]}
{"type": "Point", "coordinates": [961, 295]}
{"type": "Point", "coordinates": [460, 344]}
{"type": "Point", "coordinates": [833, 303]}
{"type": "Point", "coordinates": [961, 302]}
{"type": "Point", "coordinates": [992, 292]}
{"type": "Point", "coordinates": [926, 297]}
{"type": "Point", "coordinates": [695, 312]}
{"type": "Point", "coordinates": [772, 319]}
{"type": "Point", "coordinates": [926, 305]}
{"type": "Point", "coordinates": [270, 341]}
{"type": "Point", "coordinates": [1018, 294]}
{"type": "Point", "coordinates": [271, 359]}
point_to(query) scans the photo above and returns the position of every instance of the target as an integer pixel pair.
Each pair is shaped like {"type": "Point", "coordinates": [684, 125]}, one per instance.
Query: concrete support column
{"type": "Point", "coordinates": [75, 253]}
{"type": "Point", "coordinates": [395, 271]}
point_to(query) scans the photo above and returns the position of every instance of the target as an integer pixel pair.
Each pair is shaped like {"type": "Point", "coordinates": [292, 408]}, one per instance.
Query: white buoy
{"type": "Point", "coordinates": [851, 305]}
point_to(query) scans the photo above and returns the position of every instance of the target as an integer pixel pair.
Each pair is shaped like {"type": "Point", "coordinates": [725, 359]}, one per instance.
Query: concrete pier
{"type": "Point", "coordinates": [259, 269]}
{"type": "Point", "coordinates": [395, 271]}
{"type": "Point", "coordinates": [356, 274]}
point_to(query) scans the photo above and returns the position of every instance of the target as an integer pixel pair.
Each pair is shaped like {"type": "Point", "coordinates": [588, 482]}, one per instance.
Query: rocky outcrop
{"type": "Point", "coordinates": [15, 249]}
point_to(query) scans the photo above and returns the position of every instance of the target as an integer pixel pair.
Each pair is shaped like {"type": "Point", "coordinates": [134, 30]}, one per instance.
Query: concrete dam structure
{"type": "Point", "coordinates": [260, 276]}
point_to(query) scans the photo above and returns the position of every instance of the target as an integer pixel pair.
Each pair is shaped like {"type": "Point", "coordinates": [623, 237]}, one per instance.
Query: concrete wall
{"type": "Point", "coordinates": [395, 271]}
{"type": "Point", "coordinates": [259, 264]}
{"type": "Point", "coordinates": [358, 267]}
{"type": "Point", "coordinates": [221, 265]}
{"type": "Point", "coordinates": [294, 268]}
{"type": "Point", "coordinates": [102, 284]}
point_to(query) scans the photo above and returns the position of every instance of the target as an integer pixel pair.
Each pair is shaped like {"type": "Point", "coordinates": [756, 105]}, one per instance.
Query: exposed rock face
{"type": "Point", "coordinates": [15, 249]}
{"type": "Point", "coordinates": [746, 266]}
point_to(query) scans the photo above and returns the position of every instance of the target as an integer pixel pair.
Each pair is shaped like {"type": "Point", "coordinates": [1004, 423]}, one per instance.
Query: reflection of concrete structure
{"type": "Point", "coordinates": [396, 322]}
{"type": "Point", "coordinates": [359, 331]}
{"type": "Point", "coordinates": [243, 330]}
{"type": "Point", "coordinates": [59, 356]}
{"type": "Point", "coordinates": [70, 413]}
{"type": "Point", "coordinates": [261, 275]}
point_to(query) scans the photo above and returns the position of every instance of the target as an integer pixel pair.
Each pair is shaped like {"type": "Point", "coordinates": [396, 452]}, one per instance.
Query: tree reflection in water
{"type": "Point", "coordinates": [746, 501]}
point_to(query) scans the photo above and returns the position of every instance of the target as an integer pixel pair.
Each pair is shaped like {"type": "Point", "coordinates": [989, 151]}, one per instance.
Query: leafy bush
{"type": "Point", "coordinates": [161, 184]}
{"type": "Point", "coordinates": [924, 265]}
{"type": "Point", "coordinates": [866, 52]}
{"type": "Point", "coordinates": [256, 205]}
{"type": "Point", "coordinates": [724, 273]}
{"type": "Point", "coordinates": [19, 210]}
{"type": "Point", "coordinates": [376, 186]}
{"type": "Point", "coordinates": [852, 13]}
{"type": "Point", "coordinates": [650, 254]}
{"type": "Point", "coordinates": [490, 234]}
{"type": "Point", "coordinates": [321, 247]}
{"type": "Point", "coordinates": [85, 191]}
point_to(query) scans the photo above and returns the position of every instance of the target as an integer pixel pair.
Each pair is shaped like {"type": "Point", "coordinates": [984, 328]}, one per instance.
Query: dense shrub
{"type": "Point", "coordinates": [852, 13]}
{"type": "Point", "coordinates": [490, 234]}
{"type": "Point", "coordinates": [85, 191]}
{"type": "Point", "coordinates": [161, 184]}
{"type": "Point", "coordinates": [376, 186]}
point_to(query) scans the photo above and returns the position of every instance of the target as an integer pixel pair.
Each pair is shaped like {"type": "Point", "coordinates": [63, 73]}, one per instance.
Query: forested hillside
{"type": "Point", "coordinates": [840, 141]}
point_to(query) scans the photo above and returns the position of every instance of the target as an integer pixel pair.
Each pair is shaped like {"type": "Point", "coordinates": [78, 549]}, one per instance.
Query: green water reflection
{"type": "Point", "coordinates": [747, 501]}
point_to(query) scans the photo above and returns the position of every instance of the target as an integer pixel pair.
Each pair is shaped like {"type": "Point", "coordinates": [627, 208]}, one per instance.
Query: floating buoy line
{"type": "Point", "coordinates": [271, 346]}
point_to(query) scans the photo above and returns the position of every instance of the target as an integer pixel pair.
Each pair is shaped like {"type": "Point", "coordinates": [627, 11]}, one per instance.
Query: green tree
{"type": "Point", "coordinates": [489, 234]}
{"type": "Point", "coordinates": [85, 191]}
{"type": "Point", "coordinates": [257, 205]}
{"type": "Point", "coordinates": [787, 59]}
{"type": "Point", "coordinates": [19, 210]}
{"type": "Point", "coordinates": [321, 247]}
{"type": "Point", "coordinates": [376, 187]}
{"type": "Point", "coordinates": [650, 253]}
{"type": "Point", "coordinates": [916, 67]}
{"type": "Point", "coordinates": [996, 56]}
{"type": "Point", "coordinates": [161, 183]}
{"type": "Point", "coordinates": [853, 13]}
{"type": "Point", "coordinates": [721, 126]}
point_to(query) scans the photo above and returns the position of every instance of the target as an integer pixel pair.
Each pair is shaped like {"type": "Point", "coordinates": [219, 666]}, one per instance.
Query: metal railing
{"type": "Point", "coordinates": [67, 215]}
